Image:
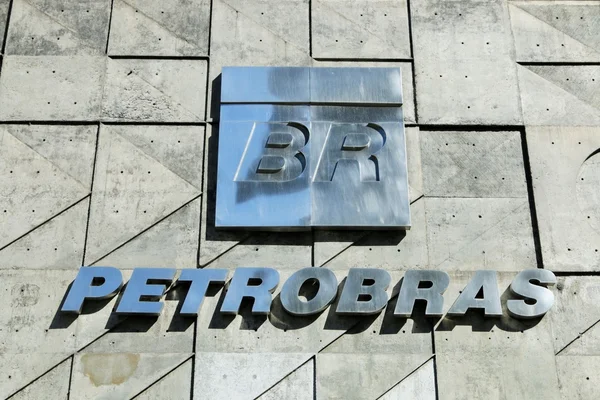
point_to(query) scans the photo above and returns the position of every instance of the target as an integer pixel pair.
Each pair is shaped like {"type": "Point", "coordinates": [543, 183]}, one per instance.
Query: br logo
{"type": "Point", "coordinates": [299, 159]}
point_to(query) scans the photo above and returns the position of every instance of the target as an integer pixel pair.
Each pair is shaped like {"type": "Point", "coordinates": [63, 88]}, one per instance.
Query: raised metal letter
{"type": "Point", "coordinates": [327, 290]}
{"type": "Point", "coordinates": [150, 283]}
{"type": "Point", "coordinates": [84, 287]}
{"type": "Point", "coordinates": [364, 291]}
{"type": "Point", "coordinates": [256, 283]}
{"type": "Point", "coordinates": [200, 279]}
{"type": "Point", "coordinates": [411, 290]}
{"type": "Point", "coordinates": [523, 285]}
{"type": "Point", "coordinates": [490, 302]}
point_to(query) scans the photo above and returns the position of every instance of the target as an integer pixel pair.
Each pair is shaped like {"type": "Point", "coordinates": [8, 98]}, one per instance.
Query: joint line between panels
{"type": "Point", "coordinates": [406, 377]}
{"type": "Point", "coordinates": [310, 44]}
{"type": "Point", "coordinates": [87, 225]}
{"type": "Point", "coordinates": [577, 338]}
{"type": "Point", "coordinates": [41, 376]}
{"type": "Point", "coordinates": [112, 3]}
{"type": "Point", "coordinates": [162, 377]}
{"type": "Point", "coordinates": [5, 33]}
{"type": "Point", "coordinates": [287, 375]}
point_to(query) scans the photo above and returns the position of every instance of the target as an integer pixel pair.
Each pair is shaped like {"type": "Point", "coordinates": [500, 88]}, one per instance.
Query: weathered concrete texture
{"type": "Point", "coordinates": [560, 95]}
{"type": "Point", "coordinates": [487, 358]}
{"type": "Point", "coordinates": [142, 27]}
{"type": "Point", "coordinates": [578, 376]}
{"type": "Point", "coordinates": [4, 5]}
{"type": "Point", "coordinates": [133, 190]}
{"type": "Point", "coordinates": [34, 189]}
{"type": "Point", "coordinates": [44, 27]}
{"type": "Point", "coordinates": [53, 385]}
{"type": "Point", "coordinates": [51, 88]}
{"type": "Point", "coordinates": [360, 29]}
{"type": "Point", "coordinates": [575, 315]}
{"type": "Point", "coordinates": [177, 385]}
{"type": "Point", "coordinates": [119, 375]}
{"type": "Point", "coordinates": [464, 63]}
{"type": "Point", "coordinates": [419, 385]}
{"type": "Point", "coordinates": [154, 90]}
{"type": "Point", "coordinates": [408, 93]}
{"type": "Point", "coordinates": [20, 369]}
{"type": "Point", "coordinates": [299, 385]}
{"type": "Point", "coordinates": [565, 171]}
{"type": "Point", "coordinates": [479, 233]}
{"type": "Point", "coordinates": [472, 164]}
{"type": "Point", "coordinates": [556, 31]}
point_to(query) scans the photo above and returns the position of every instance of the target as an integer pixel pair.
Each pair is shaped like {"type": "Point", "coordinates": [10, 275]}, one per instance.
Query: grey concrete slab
{"type": "Point", "coordinates": [550, 99]}
{"type": "Point", "coordinates": [577, 376]}
{"type": "Point", "coordinates": [464, 63]}
{"type": "Point", "coordinates": [56, 244]}
{"type": "Point", "coordinates": [177, 385]}
{"type": "Point", "coordinates": [564, 167]}
{"type": "Point", "coordinates": [480, 233]}
{"type": "Point", "coordinates": [132, 192]}
{"type": "Point", "coordinates": [20, 369]}
{"type": "Point", "coordinates": [51, 88]}
{"type": "Point", "coordinates": [550, 31]}
{"type": "Point", "coordinates": [54, 384]}
{"type": "Point", "coordinates": [491, 357]}
{"type": "Point", "coordinates": [39, 189]}
{"type": "Point", "coordinates": [299, 385]}
{"type": "Point", "coordinates": [575, 311]}
{"type": "Point", "coordinates": [242, 375]}
{"type": "Point", "coordinates": [158, 28]}
{"type": "Point", "coordinates": [119, 375]}
{"type": "Point", "coordinates": [419, 385]}
{"type": "Point", "coordinates": [360, 29]}
{"type": "Point", "coordinates": [58, 28]}
{"type": "Point", "coordinates": [472, 164]}
{"type": "Point", "coordinates": [391, 250]}
{"type": "Point", "coordinates": [408, 94]}
{"type": "Point", "coordinates": [4, 5]}
{"type": "Point", "coordinates": [154, 90]}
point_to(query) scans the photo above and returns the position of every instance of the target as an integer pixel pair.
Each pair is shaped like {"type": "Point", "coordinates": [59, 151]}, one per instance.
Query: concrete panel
{"type": "Point", "coordinates": [58, 28]}
{"type": "Point", "coordinates": [493, 358]}
{"type": "Point", "coordinates": [19, 370]}
{"type": "Point", "coordinates": [118, 375]}
{"type": "Point", "coordinates": [553, 31]}
{"type": "Point", "coordinates": [242, 376]}
{"type": "Point", "coordinates": [560, 95]}
{"type": "Point", "coordinates": [39, 190]}
{"type": "Point", "coordinates": [408, 94]}
{"type": "Point", "coordinates": [419, 385]}
{"type": "Point", "coordinates": [575, 314]}
{"type": "Point", "coordinates": [52, 385]}
{"type": "Point", "coordinates": [4, 5]}
{"type": "Point", "coordinates": [578, 376]}
{"type": "Point", "coordinates": [299, 385]}
{"type": "Point", "coordinates": [464, 63]}
{"type": "Point", "coordinates": [155, 90]}
{"type": "Point", "coordinates": [177, 385]}
{"type": "Point", "coordinates": [51, 88]}
{"type": "Point", "coordinates": [360, 29]}
{"type": "Point", "coordinates": [389, 250]}
{"type": "Point", "coordinates": [474, 233]}
{"type": "Point", "coordinates": [158, 28]}
{"type": "Point", "coordinates": [57, 243]}
{"type": "Point", "coordinates": [472, 164]}
{"type": "Point", "coordinates": [564, 167]}
{"type": "Point", "coordinates": [132, 191]}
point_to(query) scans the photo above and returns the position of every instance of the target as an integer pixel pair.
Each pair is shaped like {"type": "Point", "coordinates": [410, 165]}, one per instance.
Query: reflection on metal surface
{"type": "Point", "coordinates": [326, 291]}
{"type": "Point", "coordinates": [92, 283]}
{"type": "Point", "coordinates": [422, 285]}
{"type": "Point", "coordinates": [526, 284]}
{"type": "Point", "coordinates": [199, 280]}
{"type": "Point", "coordinates": [255, 283]}
{"type": "Point", "coordinates": [481, 292]}
{"type": "Point", "coordinates": [364, 291]}
{"type": "Point", "coordinates": [149, 284]}
{"type": "Point", "coordinates": [315, 164]}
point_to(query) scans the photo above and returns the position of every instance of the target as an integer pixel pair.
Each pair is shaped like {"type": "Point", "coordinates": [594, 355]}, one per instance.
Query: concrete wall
{"type": "Point", "coordinates": [107, 157]}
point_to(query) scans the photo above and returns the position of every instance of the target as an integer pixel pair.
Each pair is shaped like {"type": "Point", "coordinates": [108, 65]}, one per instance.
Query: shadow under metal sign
{"type": "Point", "coordinates": [303, 148]}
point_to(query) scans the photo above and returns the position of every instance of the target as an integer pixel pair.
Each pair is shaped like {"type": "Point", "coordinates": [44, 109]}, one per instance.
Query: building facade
{"type": "Point", "coordinates": [109, 124]}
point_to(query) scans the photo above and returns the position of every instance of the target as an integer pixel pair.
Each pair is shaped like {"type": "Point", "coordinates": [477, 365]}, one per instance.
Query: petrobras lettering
{"type": "Point", "coordinates": [309, 291]}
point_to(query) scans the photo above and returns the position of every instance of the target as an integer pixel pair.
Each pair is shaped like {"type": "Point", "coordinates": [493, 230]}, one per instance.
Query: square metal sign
{"type": "Point", "coordinates": [303, 148]}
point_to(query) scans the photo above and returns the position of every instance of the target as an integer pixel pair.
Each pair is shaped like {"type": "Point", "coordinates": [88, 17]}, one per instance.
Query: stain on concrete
{"type": "Point", "coordinates": [25, 295]}
{"type": "Point", "coordinates": [109, 369]}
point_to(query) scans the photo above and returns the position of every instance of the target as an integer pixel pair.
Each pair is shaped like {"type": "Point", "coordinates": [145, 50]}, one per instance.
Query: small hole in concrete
{"type": "Point", "coordinates": [256, 249]}
{"type": "Point", "coordinates": [480, 216]}
{"type": "Point", "coordinates": [568, 249]}
{"type": "Point", "coordinates": [55, 249]}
